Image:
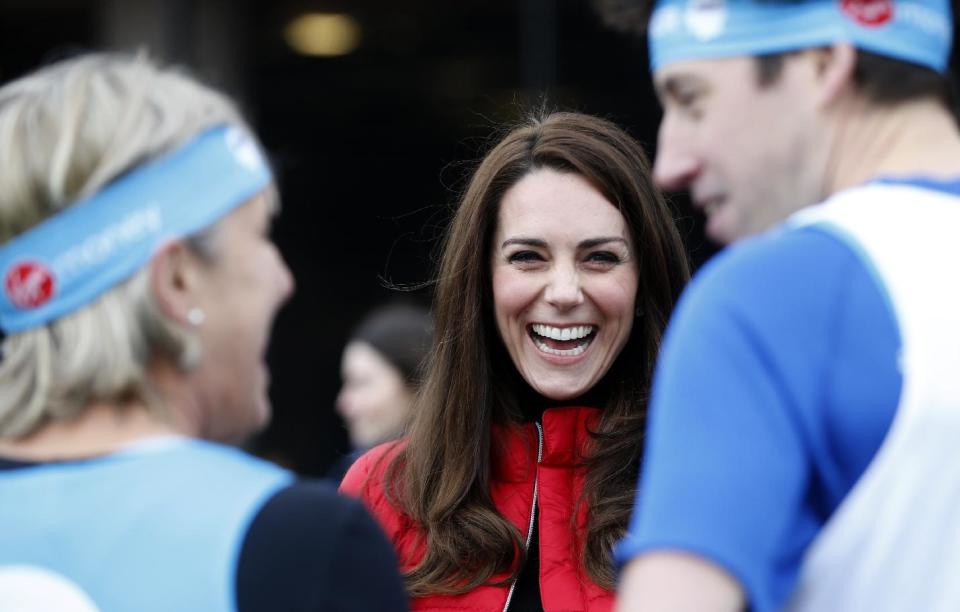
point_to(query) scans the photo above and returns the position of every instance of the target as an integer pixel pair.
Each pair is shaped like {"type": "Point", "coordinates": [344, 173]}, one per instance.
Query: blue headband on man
{"type": "Point", "coordinates": [72, 258]}
{"type": "Point", "coordinates": [915, 31]}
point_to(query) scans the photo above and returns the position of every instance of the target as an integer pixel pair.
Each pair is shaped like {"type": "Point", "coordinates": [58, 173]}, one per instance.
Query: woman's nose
{"type": "Point", "coordinates": [342, 403]}
{"type": "Point", "coordinates": [286, 284]}
{"type": "Point", "coordinates": [563, 290]}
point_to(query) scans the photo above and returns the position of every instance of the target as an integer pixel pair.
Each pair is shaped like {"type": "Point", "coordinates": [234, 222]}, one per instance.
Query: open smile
{"type": "Point", "coordinates": [561, 341]}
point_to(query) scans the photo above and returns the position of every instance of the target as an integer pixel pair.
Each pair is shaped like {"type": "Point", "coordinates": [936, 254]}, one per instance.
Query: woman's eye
{"type": "Point", "coordinates": [603, 257]}
{"type": "Point", "coordinates": [524, 257]}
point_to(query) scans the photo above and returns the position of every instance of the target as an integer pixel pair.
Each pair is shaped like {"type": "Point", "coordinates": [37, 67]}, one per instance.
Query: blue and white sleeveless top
{"type": "Point", "coordinates": [783, 378]}
{"type": "Point", "coordinates": [894, 542]}
{"type": "Point", "coordinates": [154, 528]}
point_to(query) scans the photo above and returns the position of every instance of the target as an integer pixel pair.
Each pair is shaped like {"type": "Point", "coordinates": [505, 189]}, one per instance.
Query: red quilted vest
{"type": "Point", "coordinates": [564, 586]}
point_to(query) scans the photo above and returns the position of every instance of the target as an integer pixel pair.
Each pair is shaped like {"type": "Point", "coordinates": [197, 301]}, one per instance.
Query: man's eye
{"type": "Point", "coordinates": [685, 99]}
{"type": "Point", "coordinates": [524, 257]}
{"type": "Point", "coordinates": [690, 103]}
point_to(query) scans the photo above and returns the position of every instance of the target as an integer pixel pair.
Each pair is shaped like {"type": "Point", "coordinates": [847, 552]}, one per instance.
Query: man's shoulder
{"type": "Point", "coordinates": [783, 259]}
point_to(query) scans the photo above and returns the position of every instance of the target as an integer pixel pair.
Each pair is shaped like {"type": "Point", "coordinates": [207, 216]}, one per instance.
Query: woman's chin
{"type": "Point", "coordinates": [560, 393]}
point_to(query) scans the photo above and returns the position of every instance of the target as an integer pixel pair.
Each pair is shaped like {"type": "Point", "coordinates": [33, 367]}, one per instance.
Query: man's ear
{"type": "Point", "coordinates": [835, 69]}
{"type": "Point", "coordinates": [174, 280]}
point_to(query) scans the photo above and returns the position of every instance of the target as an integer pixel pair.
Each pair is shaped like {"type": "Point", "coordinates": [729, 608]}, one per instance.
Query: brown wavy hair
{"type": "Point", "coordinates": [440, 479]}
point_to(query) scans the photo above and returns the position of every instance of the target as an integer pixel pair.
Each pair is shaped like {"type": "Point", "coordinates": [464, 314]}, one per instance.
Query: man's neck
{"type": "Point", "coordinates": [918, 138]}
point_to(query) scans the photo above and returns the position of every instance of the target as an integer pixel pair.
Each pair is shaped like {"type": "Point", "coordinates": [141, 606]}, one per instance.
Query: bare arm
{"type": "Point", "coordinates": [668, 581]}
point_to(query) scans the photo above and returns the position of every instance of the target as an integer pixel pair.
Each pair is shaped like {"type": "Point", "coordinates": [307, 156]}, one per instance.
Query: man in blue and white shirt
{"type": "Point", "coordinates": [806, 407]}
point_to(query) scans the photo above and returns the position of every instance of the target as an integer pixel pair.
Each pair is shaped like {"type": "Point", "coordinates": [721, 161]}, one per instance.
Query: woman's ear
{"type": "Point", "coordinates": [174, 281]}
{"type": "Point", "coordinates": [836, 65]}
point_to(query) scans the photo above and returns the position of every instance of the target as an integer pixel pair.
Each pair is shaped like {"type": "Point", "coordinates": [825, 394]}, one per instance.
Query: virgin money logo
{"type": "Point", "coordinates": [870, 13]}
{"type": "Point", "coordinates": [706, 19]}
{"type": "Point", "coordinates": [29, 284]}
{"type": "Point", "coordinates": [244, 149]}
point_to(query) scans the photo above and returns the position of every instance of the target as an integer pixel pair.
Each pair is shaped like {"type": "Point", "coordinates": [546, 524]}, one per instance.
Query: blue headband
{"type": "Point", "coordinates": [72, 258]}
{"type": "Point", "coordinates": [915, 31]}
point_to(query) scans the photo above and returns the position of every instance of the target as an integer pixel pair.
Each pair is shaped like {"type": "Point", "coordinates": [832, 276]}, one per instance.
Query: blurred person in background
{"type": "Point", "coordinates": [380, 369]}
{"type": "Point", "coordinates": [516, 477]}
{"type": "Point", "coordinates": [801, 444]}
{"type": "Point", "coordinates": [139, 288]}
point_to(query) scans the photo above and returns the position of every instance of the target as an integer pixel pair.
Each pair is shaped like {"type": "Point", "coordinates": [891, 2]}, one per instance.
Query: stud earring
{"type": "Point", "coordinates": [196, 316]}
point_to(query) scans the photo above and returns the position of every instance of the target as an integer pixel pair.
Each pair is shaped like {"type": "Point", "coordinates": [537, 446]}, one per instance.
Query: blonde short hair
{"type": "Point", "coordinates": [66, 131]}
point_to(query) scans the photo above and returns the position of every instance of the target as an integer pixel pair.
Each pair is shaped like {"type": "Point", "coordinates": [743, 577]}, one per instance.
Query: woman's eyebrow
{"type": "Point", "coordinates": [534, 242]}
{"type": "Point", "coordinates": [589, 243]}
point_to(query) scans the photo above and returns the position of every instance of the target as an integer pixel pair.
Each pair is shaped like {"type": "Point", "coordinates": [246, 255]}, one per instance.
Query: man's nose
{"type": "Point", "coordinates": [675, 165]}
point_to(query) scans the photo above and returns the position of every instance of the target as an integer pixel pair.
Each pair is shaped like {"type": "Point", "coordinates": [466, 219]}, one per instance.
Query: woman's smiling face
{"type": "Point", "coordinates": [564, 282]}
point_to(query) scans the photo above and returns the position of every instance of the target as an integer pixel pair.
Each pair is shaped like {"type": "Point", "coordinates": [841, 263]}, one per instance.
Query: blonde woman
{"type": "Point", "coordinates": [139, 287]}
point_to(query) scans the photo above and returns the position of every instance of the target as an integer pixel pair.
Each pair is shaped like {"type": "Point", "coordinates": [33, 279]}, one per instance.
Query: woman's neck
{"type": "Point", "coordinates": [532, 404]}
{"type": "Point", "coordinates": [100, 429]}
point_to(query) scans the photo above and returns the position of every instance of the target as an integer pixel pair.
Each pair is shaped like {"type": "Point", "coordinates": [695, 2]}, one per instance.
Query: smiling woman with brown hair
{"type": "Point", "coordinates": [557, 277]}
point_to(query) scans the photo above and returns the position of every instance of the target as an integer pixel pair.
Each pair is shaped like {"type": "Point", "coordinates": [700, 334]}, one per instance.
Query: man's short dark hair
{"type": "Point", "coordinates": [883, 80]}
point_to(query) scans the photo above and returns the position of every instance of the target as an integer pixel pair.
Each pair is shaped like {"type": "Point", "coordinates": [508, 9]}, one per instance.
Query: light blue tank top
{"type": "Point", "coordinates": [155, 528]}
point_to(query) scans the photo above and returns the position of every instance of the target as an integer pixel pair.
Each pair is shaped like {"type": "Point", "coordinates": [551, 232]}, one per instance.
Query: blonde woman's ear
{"type": "Point", "coordinates": [174, 283]}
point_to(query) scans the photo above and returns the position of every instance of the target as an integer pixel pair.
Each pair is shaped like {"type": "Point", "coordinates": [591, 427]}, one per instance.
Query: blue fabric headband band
{"type": "Point", "coordinates": [915, 31]}
{"type": "Point", "coordinates": [72, 258]}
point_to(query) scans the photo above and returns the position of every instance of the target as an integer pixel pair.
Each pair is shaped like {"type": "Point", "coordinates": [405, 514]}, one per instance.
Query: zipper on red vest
{"type": "Point", "coordinates": [533, 509]}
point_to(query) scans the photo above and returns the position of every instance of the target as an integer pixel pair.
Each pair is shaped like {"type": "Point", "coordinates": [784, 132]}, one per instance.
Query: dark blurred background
{"type": "Point", "coordinates": [373, 111]}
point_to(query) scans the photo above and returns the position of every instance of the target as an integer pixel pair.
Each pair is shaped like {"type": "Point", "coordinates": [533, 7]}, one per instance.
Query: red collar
{"type": "Point", "coordinates": [565, 442]}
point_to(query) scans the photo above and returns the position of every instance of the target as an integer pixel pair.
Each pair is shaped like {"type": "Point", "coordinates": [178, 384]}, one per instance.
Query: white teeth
{"type": "Point", "coordinates": [566, 353]}
{"type": "Point", "coordinates": [565, 333]}
{"type": "Point", "coordinates": [579, 332]}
